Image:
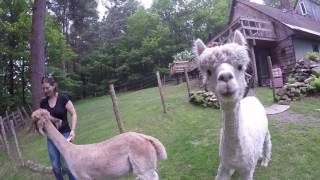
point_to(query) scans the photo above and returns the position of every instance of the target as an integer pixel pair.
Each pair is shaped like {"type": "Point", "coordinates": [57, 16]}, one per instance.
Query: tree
{"type": "Point", "coordinates": [37, 51]}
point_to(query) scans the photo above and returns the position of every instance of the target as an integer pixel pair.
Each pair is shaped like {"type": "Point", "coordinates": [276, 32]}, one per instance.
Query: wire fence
{"type": "Point", "coordinates": [150, 81]}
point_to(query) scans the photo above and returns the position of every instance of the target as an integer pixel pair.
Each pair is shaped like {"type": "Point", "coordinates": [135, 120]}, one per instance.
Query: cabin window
{"type": "Point", "coordinates": [303, 8]}
{"type": "Point", "coordinates": [315, 48]}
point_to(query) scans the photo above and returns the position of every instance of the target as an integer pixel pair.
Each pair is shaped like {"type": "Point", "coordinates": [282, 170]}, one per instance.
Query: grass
{"type": "Point", "coordinates": [190, 134]}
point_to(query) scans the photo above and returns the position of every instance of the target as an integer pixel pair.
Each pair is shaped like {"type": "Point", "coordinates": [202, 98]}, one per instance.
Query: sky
{"type": "Point", "coordinates": [147, 4]}
{"type": "Point", "coordinates": [101, 9]}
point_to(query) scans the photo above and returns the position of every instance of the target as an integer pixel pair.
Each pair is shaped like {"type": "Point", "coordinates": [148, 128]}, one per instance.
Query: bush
{"type": "Point", "coordinates": [183, 56]}
{"type": "Point", "coordinates": [312, 56]}
{"type": "Point", "coordinates": [316, 83]}
{"type": "Point", "coordinates": [314, 86]}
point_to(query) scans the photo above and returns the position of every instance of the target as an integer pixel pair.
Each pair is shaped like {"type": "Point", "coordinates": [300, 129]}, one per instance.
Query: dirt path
{"type": "Point", "coordinates": [290, 116]}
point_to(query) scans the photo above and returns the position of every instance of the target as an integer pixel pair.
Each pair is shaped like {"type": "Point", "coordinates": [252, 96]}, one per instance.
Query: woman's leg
{"type": "Point", "coordinates": [64, 164]}
{"type": "Point", "coordinates": [54, 155]}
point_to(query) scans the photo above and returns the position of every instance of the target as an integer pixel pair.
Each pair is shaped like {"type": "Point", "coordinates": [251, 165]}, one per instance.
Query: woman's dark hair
{"type": "Point", "coordinates": [50, 80]}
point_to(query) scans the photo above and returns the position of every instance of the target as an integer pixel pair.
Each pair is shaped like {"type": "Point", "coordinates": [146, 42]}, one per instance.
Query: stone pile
{"type": "Point", "coordinates": [291, 92]}
{"type": "Point", "coordinates": [303, 75]}
{"type": "Point", "coordinates": [205, 99]}
{"type": "Point", "coordinates": [303, 71]}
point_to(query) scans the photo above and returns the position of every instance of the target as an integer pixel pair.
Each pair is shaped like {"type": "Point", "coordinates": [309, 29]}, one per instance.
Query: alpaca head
{"type": "Point", "coordinates": [224, 67]}
{"type": "Point", "coordinates": [42, 116]}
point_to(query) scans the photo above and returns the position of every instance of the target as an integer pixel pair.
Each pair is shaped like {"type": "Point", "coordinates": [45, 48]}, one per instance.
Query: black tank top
{"type": "Point", "coordinates": [58, 111]}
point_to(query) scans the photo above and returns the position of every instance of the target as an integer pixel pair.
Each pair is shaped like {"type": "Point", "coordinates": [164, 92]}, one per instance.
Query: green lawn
{"type": "Point", "coordinates": [190, 134]}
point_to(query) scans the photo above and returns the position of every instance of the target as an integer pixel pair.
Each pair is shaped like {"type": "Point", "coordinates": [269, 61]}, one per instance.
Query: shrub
{"type": "Point", "coordinates": [312, 56]}
{"type": "Point", "coordinates": [314, 86]}
{"type": "Point", "coordinates": [316, 83]}
{"type": "Point", "coordinates": [183, 56]}
{"type": "Point", "coordinates": [204, 99]}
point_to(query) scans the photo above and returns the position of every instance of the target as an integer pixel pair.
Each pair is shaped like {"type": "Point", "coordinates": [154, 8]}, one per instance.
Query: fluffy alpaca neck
{"type": "Point", "coordinates": [57, 138]}
{"type": "Point", "coordinates": [232, 122]}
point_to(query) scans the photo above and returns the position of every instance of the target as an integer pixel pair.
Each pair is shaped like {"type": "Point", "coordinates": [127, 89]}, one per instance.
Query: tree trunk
{"type": "Point", "coordinates": [11, 80]}
{"type": "Point", "coordinates": [37, 51]}
{"type": "Point", "coordinates": [23, 79]}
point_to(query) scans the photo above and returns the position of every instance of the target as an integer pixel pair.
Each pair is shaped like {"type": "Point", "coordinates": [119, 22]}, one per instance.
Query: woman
{"type": "Point", "coordinates": [58, 105]}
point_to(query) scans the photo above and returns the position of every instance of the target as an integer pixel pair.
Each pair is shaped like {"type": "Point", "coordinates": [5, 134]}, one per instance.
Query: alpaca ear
{"type": "Point", "coordinates": [198, 47]}
{"type": "Point", "coordinates": [239, 38]}
{"type": "Point", "coordinates": [57, 122]}
{"type": "Point", "coordinates": [40, 127]}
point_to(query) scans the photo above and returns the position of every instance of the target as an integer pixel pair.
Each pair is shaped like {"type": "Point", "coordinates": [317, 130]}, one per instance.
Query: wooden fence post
{"type": "Point", "coordinates": [271, 78]}
{"type": "Point", "coordinates": [1, 140]}
{"type": "Point", "coordinates": [22, 118]}
{"type": "Point", "coordinates": [16, 141]}
{"type": "Point", "coordinates": [3, 131]}
{"type": "Point", "coordinates": [161, 93]}
{"type": "Point", "coordinates": [187, 82]}
{"type": "Point", "coordinates": [116, 109]}
{"type": "Point", "coordinates": [25, 113]}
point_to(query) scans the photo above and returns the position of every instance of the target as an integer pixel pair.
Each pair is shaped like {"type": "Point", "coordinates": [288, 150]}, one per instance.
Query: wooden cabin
{"type": "Point", "coordinates": [284, 34]}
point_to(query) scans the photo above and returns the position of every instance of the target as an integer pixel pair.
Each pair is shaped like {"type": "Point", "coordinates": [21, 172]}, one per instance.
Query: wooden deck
{"type": "Point", "coordinates": [250, 28]}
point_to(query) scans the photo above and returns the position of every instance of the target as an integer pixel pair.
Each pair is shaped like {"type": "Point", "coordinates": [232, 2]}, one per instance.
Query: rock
{"type": "Point", "coordinates": [308, 80]}
{"type": "Point", "coordinates": [303, 90]}
{"type": "Point", "coordinates": [284, 97]}
{"type": "Point", "coordinates": [316, 70]}
{"type": "Point", "coordinates": [299, 84]}
{"type": "Point", "coordinates": [280, 92]}
{"type": "Point", "coordinates": [283, 102]}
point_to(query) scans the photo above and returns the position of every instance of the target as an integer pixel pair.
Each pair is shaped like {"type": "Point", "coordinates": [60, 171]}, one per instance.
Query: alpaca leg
{"type": "Point", "coordinates": [247, 174]}
{"type": "Point", "coordinates": [149, 175]}
{"type": "Point", "coordinates": [266, 150]}
{"type": "Point", "coordinates": [224, 173]}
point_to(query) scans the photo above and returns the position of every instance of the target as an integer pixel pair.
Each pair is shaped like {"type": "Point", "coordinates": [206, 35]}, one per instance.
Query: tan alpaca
{"type": "Point", "coordinates": [109, 159]}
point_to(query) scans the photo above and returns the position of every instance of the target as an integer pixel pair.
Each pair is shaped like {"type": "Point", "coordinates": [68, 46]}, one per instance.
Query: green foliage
{"type": "Point", "coordinates": [183, 56]}
{"type": "Point", "coordinates": [315, 83]}
{"type": "Point", "coordinates": [204, 99]}
{"type": "Point", "coordinates": [127, 46]}
{"type": "Point", "coordinates": [312, 56]}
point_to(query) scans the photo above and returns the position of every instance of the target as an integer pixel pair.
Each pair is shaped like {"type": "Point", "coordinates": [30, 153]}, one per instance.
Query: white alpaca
{"type": "Point", "coordinates": [244, 137]}
{"type": "Point", "coordinates": [109, 159]}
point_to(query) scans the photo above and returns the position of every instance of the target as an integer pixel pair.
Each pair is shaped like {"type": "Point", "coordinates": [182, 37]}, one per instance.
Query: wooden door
{"type": "Point", "coordinates": [262, 65]}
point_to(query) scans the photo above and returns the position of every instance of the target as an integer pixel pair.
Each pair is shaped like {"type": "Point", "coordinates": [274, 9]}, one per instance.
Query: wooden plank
{"type": "Point", "coordinates": [22, 118]}
{"type": "Point", "coordinates": [254, 20]}
{"type": "Point", "coordinates": [3, 132]}
{"type": "Point", "coordinates": [25, 113]}
{"type": "Point", "coordinates": [261, 38]}
{"type": "Point", "coordinates": [16, 142]}
{"type": "Point", "coordinates": [258, 29]}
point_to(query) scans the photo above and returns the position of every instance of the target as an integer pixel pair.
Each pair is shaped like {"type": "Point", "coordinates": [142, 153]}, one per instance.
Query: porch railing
{"type": "Point", "coordinates": [251, 28]}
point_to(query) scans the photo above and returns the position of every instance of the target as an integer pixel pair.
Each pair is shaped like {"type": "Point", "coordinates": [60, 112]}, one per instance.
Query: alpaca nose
{"type": "Point", "coordinates": [226, 76]}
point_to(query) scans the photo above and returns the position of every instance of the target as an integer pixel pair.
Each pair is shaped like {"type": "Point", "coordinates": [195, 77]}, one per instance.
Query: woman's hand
{"type": "Point", "coordinates": [72, 136]}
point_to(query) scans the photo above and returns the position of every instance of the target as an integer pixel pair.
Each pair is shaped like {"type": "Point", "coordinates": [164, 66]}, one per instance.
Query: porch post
{"type": "Point", "coordinates": [254, 65]}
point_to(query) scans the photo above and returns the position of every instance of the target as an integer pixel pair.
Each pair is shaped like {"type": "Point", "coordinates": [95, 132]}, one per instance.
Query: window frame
{"type": "Point", "coordinates": [315, 48]}
{"type": "Point", "coordinates": [303, 8]}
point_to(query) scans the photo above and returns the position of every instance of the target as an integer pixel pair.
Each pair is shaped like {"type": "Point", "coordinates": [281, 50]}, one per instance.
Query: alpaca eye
{"type": "Point", "coordinates": [240, 67]}
{"type": "Point", "coordinates": [208, 72]}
